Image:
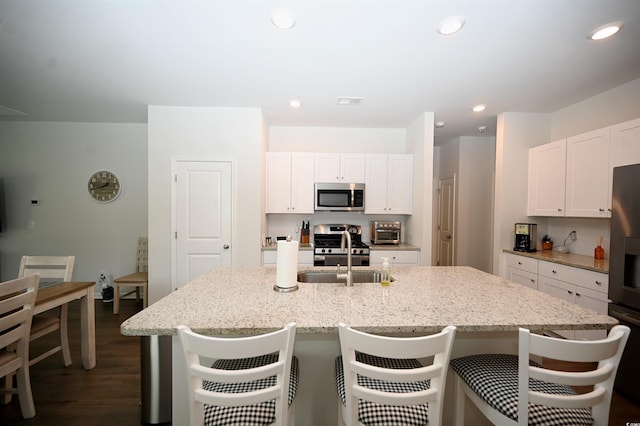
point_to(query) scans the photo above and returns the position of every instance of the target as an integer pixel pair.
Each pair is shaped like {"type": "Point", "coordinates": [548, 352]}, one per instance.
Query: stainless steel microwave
{"type": "Point", "coordinates": [339, 196]}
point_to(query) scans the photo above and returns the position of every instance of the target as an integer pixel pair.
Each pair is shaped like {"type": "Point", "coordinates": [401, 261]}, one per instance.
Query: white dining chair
{"type": "Point", "coordinates": [253, 380]}
{"type": "Point", "coordinates": [380, 380]}
{"type": "Point", "coordinates": [17, 300]}
{"type": "Point", "coordinates": [517, 390]}
{"type": "Point", "coordinates": [52, 269]}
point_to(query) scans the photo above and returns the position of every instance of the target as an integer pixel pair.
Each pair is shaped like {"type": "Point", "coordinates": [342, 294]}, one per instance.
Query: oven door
{"type": "Point", "coordinates": [340, 259]}
{"type": "Point", "coordinates": [387, 236]}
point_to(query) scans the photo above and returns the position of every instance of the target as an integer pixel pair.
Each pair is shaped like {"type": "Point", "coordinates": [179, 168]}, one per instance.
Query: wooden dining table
{"type": "Point", "coordinates": [59, 294]}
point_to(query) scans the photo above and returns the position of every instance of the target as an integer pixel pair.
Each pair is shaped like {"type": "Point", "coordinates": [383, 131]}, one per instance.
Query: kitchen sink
{"type": "Point", "coordinates": [359, 276]}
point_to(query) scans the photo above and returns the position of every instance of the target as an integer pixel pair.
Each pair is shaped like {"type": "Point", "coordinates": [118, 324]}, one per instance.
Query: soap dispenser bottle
{"type": "Point", "coordinates": [385, 278]}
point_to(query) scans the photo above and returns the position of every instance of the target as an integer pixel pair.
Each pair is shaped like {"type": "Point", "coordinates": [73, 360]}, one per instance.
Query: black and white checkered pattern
{"type": "Point", "coordinates": [258, 414]}
{"type": "Point", "coordinates": [494, 378]}
{"type": "Point", "coordinates": [370, 413]}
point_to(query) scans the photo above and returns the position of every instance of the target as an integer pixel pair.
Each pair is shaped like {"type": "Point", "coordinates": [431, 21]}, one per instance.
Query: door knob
{"type": "Point", "coordinates": [226, 246]}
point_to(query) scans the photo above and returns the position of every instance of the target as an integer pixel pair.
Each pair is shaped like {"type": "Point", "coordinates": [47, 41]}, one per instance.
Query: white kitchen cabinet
{"type": "Point", "coordinates": [345, 168]}
{"type": "Point", "coordinates": [587, 181]}
{"type": "Point", "coordinates": [522, 270]}
{"type": "Point", "coordinates": [546, 180]}
{"type": "Point", "coordinates": [270, 258]}
{"type": "Point", "coordinates": [580, 286]}
{"type": "Point", "coordinates": [389, 184]}
{"type": "Point", "coordinates": [396, 257]}
{"type": "Point", "coordinates": [290, 182]}
{"type": "Point", "coordinates": [624, 148]}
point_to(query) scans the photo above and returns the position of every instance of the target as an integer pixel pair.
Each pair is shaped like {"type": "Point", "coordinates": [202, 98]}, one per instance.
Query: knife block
{"type": "Point", "coordinates": [304, 236]}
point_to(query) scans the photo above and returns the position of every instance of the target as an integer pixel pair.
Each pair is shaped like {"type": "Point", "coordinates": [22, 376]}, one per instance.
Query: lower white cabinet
{"type": "Point", "coordinates": [522, 270]}
{"type": "Point", "coordinates": [270, 258]}
{"type": "Point", "coordinates": [580, 286]}
{"type": "Point", "coordinates": [396, 257]}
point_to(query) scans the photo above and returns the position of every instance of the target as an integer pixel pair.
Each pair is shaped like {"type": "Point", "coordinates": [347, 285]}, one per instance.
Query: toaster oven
{"type": "Point", "coordinates": [385, 232]}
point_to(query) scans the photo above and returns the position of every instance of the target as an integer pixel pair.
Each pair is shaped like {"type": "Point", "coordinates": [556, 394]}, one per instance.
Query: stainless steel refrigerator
{"type": "Point", "coordinates": [624, 272]}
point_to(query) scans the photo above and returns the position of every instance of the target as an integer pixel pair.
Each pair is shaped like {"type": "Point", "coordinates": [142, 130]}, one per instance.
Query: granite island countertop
{"type": "Point", "coordinates": [422, 299]}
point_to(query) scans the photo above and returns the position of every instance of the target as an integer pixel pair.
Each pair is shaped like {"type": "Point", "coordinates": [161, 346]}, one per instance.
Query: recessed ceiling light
{"type": "Point", "coordinates": [349, 100]}
{"type": "Point", "coordinates": [439, 124]}
{"type": "Point", "coordinates": [479, 108]}
{"type": "Point", "coordinates": [450, 25]}
{"type": "Point", "coordinates": [295, 103]}
{"type": "Point", "coordinates": [605, 31]}
{"type": "Point", "coordinates": [283, 19]}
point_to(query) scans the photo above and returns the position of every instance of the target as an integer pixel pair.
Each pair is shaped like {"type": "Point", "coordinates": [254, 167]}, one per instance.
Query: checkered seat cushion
{"type": "Point", "coordinates": [370, 413]}
{"type": "Point", "coordinates": [258, 414]}
{"type": "Point", "coordinates": [494, 378]}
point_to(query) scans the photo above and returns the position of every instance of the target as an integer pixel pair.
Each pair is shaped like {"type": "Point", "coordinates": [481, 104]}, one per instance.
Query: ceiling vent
{"type": "Point", "coordinates": [344, 100]}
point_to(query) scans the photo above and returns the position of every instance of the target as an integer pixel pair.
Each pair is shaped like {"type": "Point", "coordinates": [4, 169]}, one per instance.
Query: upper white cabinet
{"type": "Point", "coordinates": [290, 182]}
{"type": "Point", "coordinates": [587, 189]}
{"type": "Point", "coordinates": [573, 177]}
{"type": "Point", "coordinates": [546, 191]}
{"type": "Point", "coordinates": [345, 168]}
{"type": "Point", "coordinates": [389, 183]}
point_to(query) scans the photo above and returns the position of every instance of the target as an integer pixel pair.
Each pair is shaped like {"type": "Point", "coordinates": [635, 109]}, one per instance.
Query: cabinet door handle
{"type": "Point", "coordinates": [532, 280]}
{"type": "Point", "coordinates": [559, 210]}
{"type": "Point", "coordinates": [569, 291]}
{"type": "Point", "coordinates": [554, 271]}
{"type": "Point", "coordinates": [601, 210]}
{"type": "Point", "coordinates": [578, 294]}
{"type": "Point", "coordinates": [519, 263]}
{"type": "Point", "coordinates": [598, 282]}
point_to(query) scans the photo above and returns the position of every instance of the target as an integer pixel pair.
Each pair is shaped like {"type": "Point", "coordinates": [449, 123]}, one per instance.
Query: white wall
{"type": "Point", "coordinates": [516, 133]}
{"type": "Point", "coordinates": [337, 139]}
{"type": "Point", "coordinates": [205, 133]}
{"type": "Point", "coordinates": [52, 162]}
{"type": "Point", "coordinates": [471, 159]}
{"type": "Point", "coordinates": [420, 225]}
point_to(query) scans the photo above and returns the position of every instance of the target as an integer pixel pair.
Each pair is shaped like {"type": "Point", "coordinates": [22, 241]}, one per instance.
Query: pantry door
{"type": "Point", "coordinates": [446, 220]}
{"type": "Point", "coordinates": [202, 218]}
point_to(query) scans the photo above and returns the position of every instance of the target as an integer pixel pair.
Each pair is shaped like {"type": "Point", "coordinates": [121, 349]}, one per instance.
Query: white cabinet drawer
{"type": "Point", "coordinates": [525, 278]}
{"type": "Point", "coordinates": [398, 257]}
{"type": "Point", "coordinates": [520, 262]}
{"type": "Point", "coordinates": [587, 279]}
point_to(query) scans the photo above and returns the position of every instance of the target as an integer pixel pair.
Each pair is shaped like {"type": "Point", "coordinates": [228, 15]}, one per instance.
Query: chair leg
{"type": "Point", "coordinates": [24, 392]}
{"type": "Point", "coordinates": [64, 335]}
{"type": "Point", "coordinates": [145, 295]}
{"type": "Point", "coordinates": [8, 384]}
{"type": "Point", "coordinates": [458, 412]}
{"type": "Point", "coordinates": [116, 298]}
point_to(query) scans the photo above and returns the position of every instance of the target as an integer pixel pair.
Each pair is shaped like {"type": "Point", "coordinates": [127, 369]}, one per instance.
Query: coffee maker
{"type": "Point", "coordinates": [526, 237]}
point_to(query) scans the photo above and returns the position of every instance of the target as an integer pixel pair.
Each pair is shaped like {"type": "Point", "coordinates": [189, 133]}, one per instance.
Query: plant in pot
{"type": "Point", "coordinates": [547, 242]}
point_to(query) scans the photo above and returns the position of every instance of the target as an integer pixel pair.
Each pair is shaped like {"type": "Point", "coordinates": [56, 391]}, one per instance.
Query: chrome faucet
{"type": "Point", "coordinates": [346, 237]}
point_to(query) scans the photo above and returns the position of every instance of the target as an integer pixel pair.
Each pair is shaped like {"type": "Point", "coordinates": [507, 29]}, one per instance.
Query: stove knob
{"type": "Point", "coordinates": [361, 251]}
{"type": "Point", "coordinates": [355, 251]}
{"type": "Point", "coordinates": [328, 250]}
{"type": "Point", "coordinates": [323, 250]}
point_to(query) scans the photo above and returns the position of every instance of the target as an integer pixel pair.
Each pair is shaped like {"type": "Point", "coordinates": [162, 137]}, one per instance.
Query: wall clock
{"type": "Point", "coordinates": [104, 186]}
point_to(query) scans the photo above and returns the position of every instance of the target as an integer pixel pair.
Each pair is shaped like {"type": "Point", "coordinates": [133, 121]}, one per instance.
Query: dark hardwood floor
{"type": "Point", "coordinates": [109, 394]}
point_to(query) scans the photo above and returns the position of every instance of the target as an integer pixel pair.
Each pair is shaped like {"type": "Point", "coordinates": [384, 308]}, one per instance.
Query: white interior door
{"type": "Point", "coordinates": [446, 219]}
{"type": "Point", "coordinates": [202, 218]}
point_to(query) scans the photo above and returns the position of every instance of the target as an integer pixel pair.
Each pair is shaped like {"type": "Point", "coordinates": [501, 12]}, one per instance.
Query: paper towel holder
{"type": "Point", "coordinates": [289, 289]}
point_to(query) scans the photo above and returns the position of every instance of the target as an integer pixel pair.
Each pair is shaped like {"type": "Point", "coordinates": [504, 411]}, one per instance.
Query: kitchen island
{"type": "Point", "coordinates": [241, 301]}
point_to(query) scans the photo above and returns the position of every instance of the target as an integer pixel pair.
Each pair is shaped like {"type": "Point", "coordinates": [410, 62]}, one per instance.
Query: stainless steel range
{"type": "Point", "coordinates": [326, 242]}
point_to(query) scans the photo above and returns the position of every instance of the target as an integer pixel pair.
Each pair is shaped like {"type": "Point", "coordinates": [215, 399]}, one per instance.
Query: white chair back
{"type": "Point", "coordinates": [17, 300]}
{"type": "Point", "coordinates": [197, 347]}
{"type": "Point", "coordinates": [142, 260]}
{"type": "Point", "coordinates": [51, 268]}
{"type": "Point", "coordinates": [438, 346]}
{"type": "Point", "coordinates": [606, 353]}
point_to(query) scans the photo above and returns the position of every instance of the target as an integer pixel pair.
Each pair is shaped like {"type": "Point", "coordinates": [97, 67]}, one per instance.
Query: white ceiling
{"type": "Point", "coordinates": [105, 61]}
